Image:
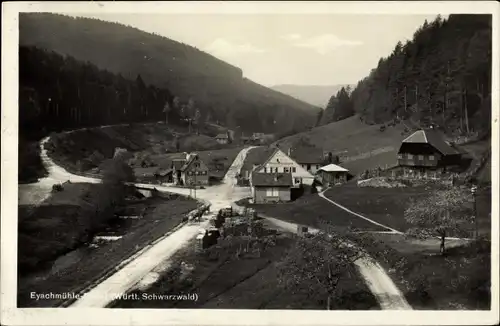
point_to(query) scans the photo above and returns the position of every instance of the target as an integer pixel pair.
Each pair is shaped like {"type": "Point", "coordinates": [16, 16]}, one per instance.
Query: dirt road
{"type": "Point", "coordinates": [377, 280]}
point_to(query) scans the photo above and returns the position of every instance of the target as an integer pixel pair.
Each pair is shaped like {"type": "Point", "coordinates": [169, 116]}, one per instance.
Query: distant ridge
{"type": "Point", "coordinates": [317, 95]}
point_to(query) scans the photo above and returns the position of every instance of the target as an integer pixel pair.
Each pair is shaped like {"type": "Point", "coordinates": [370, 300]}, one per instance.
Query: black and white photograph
{"type": "Point", "coordinates": [255, 161]}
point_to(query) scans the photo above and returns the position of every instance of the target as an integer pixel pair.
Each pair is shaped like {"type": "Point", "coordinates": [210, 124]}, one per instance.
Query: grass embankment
{"type": "Point", "coordinates": [387, 205]}
{"type": "Point", "coordinates": [222, 279]}
{"type": "Point", "coordinates": [360, 146]}
{"type": "Point", "coordinates": [30, 164]}
{"type": "Point", "coordinates": [57, 228]}
{"type": "Point", "coordinates": [313, 211]}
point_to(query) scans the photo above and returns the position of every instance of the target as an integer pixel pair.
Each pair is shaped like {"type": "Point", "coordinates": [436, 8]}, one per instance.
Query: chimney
{"type": "Point", "coordinates": [289, 151]}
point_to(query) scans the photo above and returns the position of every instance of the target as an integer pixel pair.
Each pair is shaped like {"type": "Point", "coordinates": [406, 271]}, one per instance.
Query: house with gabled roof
{"type": "Point", "coordinates": [310, 158]}
{"type": "Point", "coordinates": [279, 162]}
{"type": "Point", "coordinates": [271, 187]}
{"type": "Point", "coordinates": [427, 148]}
{"type": "Point", "coordinates": [223, 138]}
{"type": "Point", "coordinates": [194, 172]}
{"type": "Point", "coordinates": [190, 170]}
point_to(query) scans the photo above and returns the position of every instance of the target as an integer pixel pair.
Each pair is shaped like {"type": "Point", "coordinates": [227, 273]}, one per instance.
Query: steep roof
{"type": "Point", "coordinates": [433, 138]}
{"type": "Point", "coordinates": [271, 179]}
{"type": "Point", "coordinates": [191, 159]}
{"type": "Point", "coordinates": [307, 155]}
{"type": "Point", "coordinates": [333, 168]}
{"type": "Point", "coordinates": [178, 163]}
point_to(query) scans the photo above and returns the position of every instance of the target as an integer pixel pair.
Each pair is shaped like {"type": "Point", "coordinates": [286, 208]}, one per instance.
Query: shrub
{"type": "Point", "coordinates": [57, 187]}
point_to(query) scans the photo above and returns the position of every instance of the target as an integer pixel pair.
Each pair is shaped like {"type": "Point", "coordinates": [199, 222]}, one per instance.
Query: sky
{"type": "Point", "coordinates": [273, 49]}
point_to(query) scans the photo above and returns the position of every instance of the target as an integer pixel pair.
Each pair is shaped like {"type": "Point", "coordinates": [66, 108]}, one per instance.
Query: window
{"type": "Point", "coordinates": [265, 170]}
{"type": "Point", "coordinates": [431, 157]}
{"type": "Point", "coordinates": [297, 180]}
{"type": "Point", "coordinates": [190, 172]}
{"type": "Point", "coordinates": [196, 165]}
{"type": "Point", "coordinates": [272, 192]}
{"type": "Point", "coordinates": [421, 157]}
{"type": "Point", "coordinates": [400, 156]}
{"type": "Point", "coordinates": [286, 169]}
{"type": "Point", "coordinates": [294, 169]}
{"type": "Point", "coordinates": [308, 167]}
{"type": "Point", "coordinates": [317, 166]}
{"type": "Point", "coordinates": [410, 157]}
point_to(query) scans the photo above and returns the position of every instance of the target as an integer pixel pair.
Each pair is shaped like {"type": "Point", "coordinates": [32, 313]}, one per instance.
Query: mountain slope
{"type": "Point", "coordinates": [217, 88]}
{"type": "Point", "coordinates": [441, 77]}
{"type": "Point", "coordinates": [317, 95]}
{"type": "Point", "coordinates": [359, 146]}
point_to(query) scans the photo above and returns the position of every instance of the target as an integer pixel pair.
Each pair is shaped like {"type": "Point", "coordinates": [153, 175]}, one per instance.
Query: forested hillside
{"type": "Point", "coordinates": [441, 77]}
{"type": "Point", "coordinates": [159, 67]}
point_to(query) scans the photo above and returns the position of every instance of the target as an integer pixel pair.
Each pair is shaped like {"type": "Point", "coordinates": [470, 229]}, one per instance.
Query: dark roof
{"type": "Point", "coordinates": [433, 138]}
{"type": "Point", "coordinates": [271, 179]}
{"type": "Point", "coordinates": [178, 163]}
{"type": "Point", "coordinates": [306, 155]}
{"type": "Point", "coordinates": [192, 158]}
{"type": "Point", "coordinates": [164, 172]}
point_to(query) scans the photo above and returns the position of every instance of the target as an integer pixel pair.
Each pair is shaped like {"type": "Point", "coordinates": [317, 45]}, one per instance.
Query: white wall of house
{"type": "Point", "coordinates": [280, 162]}
{"type": "Point", "coordinates": [312, 168]}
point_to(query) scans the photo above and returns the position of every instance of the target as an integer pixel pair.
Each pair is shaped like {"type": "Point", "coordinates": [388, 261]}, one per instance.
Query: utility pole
{"type": "Point", "coordinates": [474, 191]}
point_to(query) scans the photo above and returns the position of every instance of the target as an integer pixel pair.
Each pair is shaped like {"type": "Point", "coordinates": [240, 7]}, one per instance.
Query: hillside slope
{"type": "Point", "coordinates": [217, 88]}
{"type": "Point", "coordinates": [360, 146]}
{"type": "Point", "coordinates": [441, 77]}
{"type": "Point", "coordinates": [317, 95]}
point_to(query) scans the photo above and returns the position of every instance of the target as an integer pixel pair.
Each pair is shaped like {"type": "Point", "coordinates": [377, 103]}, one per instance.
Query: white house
{"type": "Point", "coordinates": [279, 162]}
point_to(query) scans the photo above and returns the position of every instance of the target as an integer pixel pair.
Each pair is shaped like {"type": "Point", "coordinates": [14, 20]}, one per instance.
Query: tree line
{"type": "Point", "coordinates": [442, 77]}
{"type": "Point", "coordinates": [58, 92]}
{"type": "Point", "coordinates": [339, 107]}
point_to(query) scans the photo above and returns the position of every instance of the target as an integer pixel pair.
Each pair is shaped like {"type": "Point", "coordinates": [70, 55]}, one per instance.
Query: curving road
{"type": "Point", "coordinates": [380, 284]}
{"type": "Point", "coordinates": [142, 265]}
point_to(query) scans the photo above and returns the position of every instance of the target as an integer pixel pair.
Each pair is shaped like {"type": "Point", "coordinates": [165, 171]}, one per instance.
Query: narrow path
{"type": "Point", "coordinates": [391, 230]}
{"type": "Point", "coordinates": [380, 284]}
{"type": "Point", "coordinates": [322, 195]}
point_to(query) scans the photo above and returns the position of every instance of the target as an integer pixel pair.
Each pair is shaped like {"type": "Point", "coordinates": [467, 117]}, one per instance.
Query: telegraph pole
{"type": "Point", "coordinates": [474, 191]}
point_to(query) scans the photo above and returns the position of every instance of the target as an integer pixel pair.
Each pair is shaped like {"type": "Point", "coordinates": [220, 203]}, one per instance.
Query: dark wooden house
{"type": "Point", "coordinates": [426, 149]}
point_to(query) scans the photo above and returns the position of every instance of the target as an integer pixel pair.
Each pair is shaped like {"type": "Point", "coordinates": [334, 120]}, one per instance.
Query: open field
{"type": "Point", "coordinates": [360, 146]}
{"type": "Point", "coordinates": [70, 265]}
{"type": "Point", "coordinates": [387, 205]}
{"type": "Point", "coordinates": [314, 211]}
{"type": "Point", "coordinates": [459, 280]}
{"type": "Point", "coordinates": [221, 279]}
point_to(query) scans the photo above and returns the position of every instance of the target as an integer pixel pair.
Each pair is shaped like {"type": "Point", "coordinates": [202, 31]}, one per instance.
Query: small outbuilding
{"type": "Point", "coordinates": [332, 174]}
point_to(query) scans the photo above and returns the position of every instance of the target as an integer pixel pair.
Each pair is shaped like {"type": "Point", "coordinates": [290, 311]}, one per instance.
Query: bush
{"type": "Point", "coordinates": [57, 187]}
